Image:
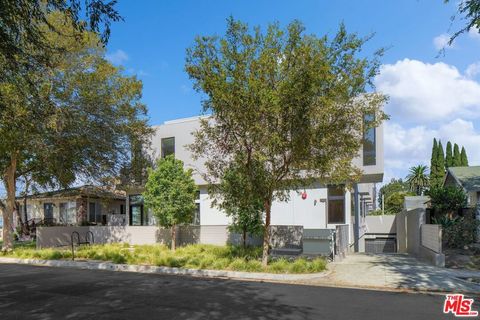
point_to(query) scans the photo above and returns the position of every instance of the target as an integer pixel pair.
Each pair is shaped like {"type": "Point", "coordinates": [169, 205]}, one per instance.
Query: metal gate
{"type": "Point", "coordinates": [381, 245]}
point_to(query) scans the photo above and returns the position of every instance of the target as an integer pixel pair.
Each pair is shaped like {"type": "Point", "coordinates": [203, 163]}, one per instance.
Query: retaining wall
{"type": "Point", "coordinates": [419, 239]}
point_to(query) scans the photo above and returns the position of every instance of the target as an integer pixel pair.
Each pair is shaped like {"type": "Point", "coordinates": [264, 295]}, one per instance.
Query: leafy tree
{"type": "Point", "coordinates": [395, 185]}
{"type": "Point", "coordinates": [236, 195]}
{"type": "Point", "coordinates": [170, 193]}
{"type": "Point", "coordinates": [463, 158]}
{"type": "Point", "coordinates": [417, 179]}
{"type": "Point", "coordinates": [469, 11]}
{"type": "Point", "coordinates": [287, 102]}
{"type": "Point", "coordinates": [395, 202]}
{"type": "Point", "coordinates": [24, 42]}
{"type": "Point", "coordinates": [449, 156]}
{"type": "Point", "coordinates": [447, 200]}
{"type": "Point", "coordinates": [457, 159]}
{"type": "Point", "coordinates": [79, 126]}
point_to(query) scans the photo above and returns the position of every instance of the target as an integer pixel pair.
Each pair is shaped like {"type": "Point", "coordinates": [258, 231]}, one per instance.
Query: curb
{"type": "Point", "coordinates": [89, 265]}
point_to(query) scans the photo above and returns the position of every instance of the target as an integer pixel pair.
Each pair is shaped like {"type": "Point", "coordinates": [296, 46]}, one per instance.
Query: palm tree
{"type": "Point", "coordinates": [418, 179]}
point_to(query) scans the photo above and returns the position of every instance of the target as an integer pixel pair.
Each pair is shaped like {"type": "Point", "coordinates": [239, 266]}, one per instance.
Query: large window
{"type": "Point", "coordinates": [168, 146]}
{"type": "Point", "coordinates": [68, 212]}
{"type": "Point", "coordinates": [336, 204]}
{"type": "Point", "coordinates": [369, 150]}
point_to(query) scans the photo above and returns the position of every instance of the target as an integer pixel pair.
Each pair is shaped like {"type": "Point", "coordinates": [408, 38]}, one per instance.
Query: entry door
{"type": "Point", "coordinates": [136, 215]}
{"type": "Point", "coordinates": [48, 212]}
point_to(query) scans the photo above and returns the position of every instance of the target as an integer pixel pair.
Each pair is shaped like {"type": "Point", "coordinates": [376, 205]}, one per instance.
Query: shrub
{"type": "Point", "coordinates": [447, 200]}
{"type": "Point", "coordinates": [459, 232]}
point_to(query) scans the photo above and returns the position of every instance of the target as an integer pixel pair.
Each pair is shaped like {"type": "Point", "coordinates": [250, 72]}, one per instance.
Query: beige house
{"type": "Point", "coordinates": [74, 206]}
{"type": "Point", "coordinates": [467, 178]}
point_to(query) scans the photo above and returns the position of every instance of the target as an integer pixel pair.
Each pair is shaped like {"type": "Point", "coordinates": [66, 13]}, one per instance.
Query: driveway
{"type": "Point", "coordinates": [32, 292]}
{"type": "Point", "coordinates": [396, 271]}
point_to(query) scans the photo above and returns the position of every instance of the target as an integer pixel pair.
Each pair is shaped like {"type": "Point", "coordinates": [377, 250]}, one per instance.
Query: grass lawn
{"type": "Point", "coordinates": [198, 256]}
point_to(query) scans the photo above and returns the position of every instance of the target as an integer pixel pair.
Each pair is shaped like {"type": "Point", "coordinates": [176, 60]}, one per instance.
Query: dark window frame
{"type": "Point", "coordinates": [332, 198]}
{"type": "Point", "coordinates": [369, 154]}
{"type": "Point", "coordinates": [164, 147]}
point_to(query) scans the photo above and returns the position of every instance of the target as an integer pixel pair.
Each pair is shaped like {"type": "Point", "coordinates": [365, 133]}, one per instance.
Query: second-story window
{"type": "Point", "coordinates": [369, 143]}
{"type": "Point", "coordinates": [168, 146]}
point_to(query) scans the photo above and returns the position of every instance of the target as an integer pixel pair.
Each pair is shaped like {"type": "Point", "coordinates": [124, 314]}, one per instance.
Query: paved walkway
{"type": "Point", "coordinates": [396, 271]}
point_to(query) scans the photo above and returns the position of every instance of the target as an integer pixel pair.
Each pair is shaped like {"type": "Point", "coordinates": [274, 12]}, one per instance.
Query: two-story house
{"type": "Point", "coordinates": [316, 206]}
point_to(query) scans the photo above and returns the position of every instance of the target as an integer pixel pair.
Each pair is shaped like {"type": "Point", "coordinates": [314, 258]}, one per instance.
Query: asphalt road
{"type": "Point", "coordinates": [29, 292]}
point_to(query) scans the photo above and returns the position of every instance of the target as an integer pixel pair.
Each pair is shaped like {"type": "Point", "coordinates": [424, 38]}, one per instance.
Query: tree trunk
{"type": "Point", "coordinates": [25, 213]}
{"type": "Point", "coordinates": [266, 232]}
{"type": "Point", "coordinates": [174, 235]}
{"type": "Point", "coordinates": [9, 180]}
{"type": "Point", "coordinates": [244, 238]}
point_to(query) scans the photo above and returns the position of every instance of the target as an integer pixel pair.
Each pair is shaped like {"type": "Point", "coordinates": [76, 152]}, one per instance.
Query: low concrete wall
{"type": "Point", "coordinates": [216, 235]}
{"type": "Point", "coordinates": [401, 230]}
{"type": "Point", "coordinates": [415, 218]}
{"type": "Point", "coordinates": [431, 244]}
{"type": "Point", "coordinates": [431, 236]}
{"type": "Point", "coordinates": [381, 224]}
{"type": "Point", "coordinates": [417, 238]}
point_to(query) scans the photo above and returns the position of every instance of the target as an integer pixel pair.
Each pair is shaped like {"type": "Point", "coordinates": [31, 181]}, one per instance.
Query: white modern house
{"type": "Point", "coordinates": [314, 207]}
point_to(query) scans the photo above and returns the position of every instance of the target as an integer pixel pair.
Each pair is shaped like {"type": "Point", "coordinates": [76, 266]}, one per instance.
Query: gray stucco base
{"type": "Point", "coordinates": [436, 259]}
{"type": "Point", "coordinates": [91, 265]}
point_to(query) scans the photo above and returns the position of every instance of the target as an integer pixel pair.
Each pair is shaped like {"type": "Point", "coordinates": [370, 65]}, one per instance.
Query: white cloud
{"type": "Point", "coordinates": [474, 33]}
{"type": "Point", "coordinates": [406, 147]}
{"type": "Point", "coordinates": [421, 92]}
{"type": "Point", "coordinates": [473, 70]}
{"type": "Point", "coordinates": [118, 57]}
{"type": "Point", "coordinates": [441, 41]}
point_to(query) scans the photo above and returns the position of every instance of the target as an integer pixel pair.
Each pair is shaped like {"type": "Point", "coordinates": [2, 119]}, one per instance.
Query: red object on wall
{"type": "Point", "coordinates": [304, 195]}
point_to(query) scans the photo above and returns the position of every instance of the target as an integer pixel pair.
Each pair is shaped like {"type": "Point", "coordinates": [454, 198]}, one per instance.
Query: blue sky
{"type": "Point", "coordinates": [430, 95]}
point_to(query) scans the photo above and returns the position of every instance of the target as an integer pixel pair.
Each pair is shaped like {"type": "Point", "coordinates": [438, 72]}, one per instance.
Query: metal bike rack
{"type": "Point", "coordinates": [89, 239]}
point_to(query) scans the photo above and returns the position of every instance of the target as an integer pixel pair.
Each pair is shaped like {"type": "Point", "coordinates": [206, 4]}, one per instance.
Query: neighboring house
{"type": "Point", "coordinates": [324, 207]}
{"type": "Point", "coordinates": [467, 178]}
{"type": "Point", "coordinates": [74, 206]}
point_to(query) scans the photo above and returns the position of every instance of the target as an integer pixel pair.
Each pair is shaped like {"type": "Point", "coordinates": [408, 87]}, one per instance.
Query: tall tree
{"type": "Point", "coordinates": [463, 158]}
{"type": "Point", "coordinates": [21, 29]}
{"type": "Point", "coordinates": [417, 179]}
{"type": "Point", "coordinates": [436, 177]}
{"type": "Point", "coordinates": [82, 129]}
{"type": "Point", "coordinates": [434, 167]}
{"type": "Point", "coordinates": [293, 104]}
{"type": "Point", "coordinates": [457, 159]}
{"type": "Point", "coordinates": [449, 156]}
{"type": "Point", "coordinates": [170, 193]}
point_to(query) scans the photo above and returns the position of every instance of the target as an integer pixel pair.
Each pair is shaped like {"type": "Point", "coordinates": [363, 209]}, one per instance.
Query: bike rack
{"type": "Point", "coordinates": [88, 240]}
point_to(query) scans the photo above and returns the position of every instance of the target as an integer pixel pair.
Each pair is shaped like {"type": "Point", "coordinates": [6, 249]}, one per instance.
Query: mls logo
{"type": "Point", "coordinates": [459, 306]}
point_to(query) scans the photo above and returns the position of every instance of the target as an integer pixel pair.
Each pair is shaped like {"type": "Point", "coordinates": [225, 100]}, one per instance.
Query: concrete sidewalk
{"type": "Point", "coordinates": [396, 271]}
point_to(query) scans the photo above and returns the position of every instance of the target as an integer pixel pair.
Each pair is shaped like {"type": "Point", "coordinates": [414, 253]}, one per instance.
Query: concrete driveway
{"type": "Point", "coordinates": [397, 271]}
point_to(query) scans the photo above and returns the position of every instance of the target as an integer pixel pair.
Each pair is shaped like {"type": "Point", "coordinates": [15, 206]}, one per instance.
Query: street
{"type": "Point", "coordinates": [30, 292]}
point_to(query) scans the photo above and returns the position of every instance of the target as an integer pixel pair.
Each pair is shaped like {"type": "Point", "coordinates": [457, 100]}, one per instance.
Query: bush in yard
{"type": "Point", "coordinates": [447, 200]}
{"type": "Point", "coordinates": [170, 193]}
{"type": "Point", "coordinates": [459, 232]}
{"type": "Point", "coordinates": [394, 202]}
